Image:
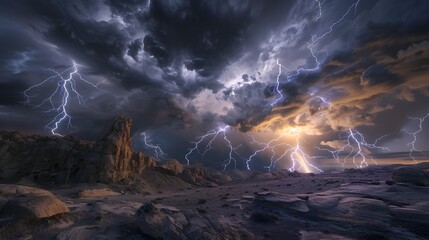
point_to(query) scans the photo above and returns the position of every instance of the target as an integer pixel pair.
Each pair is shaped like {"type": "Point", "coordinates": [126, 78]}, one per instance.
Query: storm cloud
{"type": "Point", "coordinates": [176, 66]}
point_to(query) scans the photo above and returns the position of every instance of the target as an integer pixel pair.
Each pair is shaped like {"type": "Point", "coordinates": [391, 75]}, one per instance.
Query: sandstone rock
{"type": "Point", "coordinates": [97, 193]}
{"type": "Point", "coordinates": [116, 151]}
{"type": "Point", "coordinates": [141, 162]}
{"type": "Point", "coordinates": [35, 203]}
{"type": "Point", "coordinates": [283, 201]}
{"type": "Point", "coordinates": [21, 191]}
{"type": "Point", "coordinates": [368, 211]}
{"type": "Point", "coordinates": [172, 166]}
{"type": "Point", "coordinates": [55, 160]}
{"type": "Point", "coordinates": [374, 211]}
{"type": "Point", "coordinates": [157, 222]}
{"type": "Point", "coordinates": [264, 177]}
{"type": "Point", "coordinates": [324, 202]}
{"type": "Point", "coordinates": [194, 175]}
{"type": "Point", "coordinates": [411, 174]}
{"type": "Point", "coordinates": [223, 178]}
{"type": "Point", "coordinates": [162, 222]}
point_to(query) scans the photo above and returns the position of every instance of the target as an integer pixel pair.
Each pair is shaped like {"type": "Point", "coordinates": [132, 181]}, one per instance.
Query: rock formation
{"type": "Point", "coordinates": [61, 160]}
{"type": "Point", "coordinates": [362, 210]}
{"type": "Point", "coordinates": [417, 174]}
{"type": "Point", "coordinates": [22, 202]}
{"type": "Point", "coordinates": [165, 222]}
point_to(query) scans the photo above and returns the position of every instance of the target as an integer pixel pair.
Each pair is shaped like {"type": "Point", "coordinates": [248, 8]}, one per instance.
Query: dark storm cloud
{"type": "Point", "coordinates": [176, 48]}
{"type": "Point", "coordinates": [379, 74]}
{"type": "Point", "coordinates": [248, 105]}
{"type": "Point", "coordinates": [203, 35]}
{"type": "Point", "coordinates": [11, 93]}
{"type": "Point", "coordinates": [358, 79]}
{"type": "Point", "coordinates": [133, 49]}
{"type": "Point", "coordinates": [155, 59]}
{"type": "Point", "coordinates": [199, 36]}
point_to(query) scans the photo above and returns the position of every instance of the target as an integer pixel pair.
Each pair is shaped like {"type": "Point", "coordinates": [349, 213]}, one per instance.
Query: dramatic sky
{"type": "Point", "coordinates": [181, 68]}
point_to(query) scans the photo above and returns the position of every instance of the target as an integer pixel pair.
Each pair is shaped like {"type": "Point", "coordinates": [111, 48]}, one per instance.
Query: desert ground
{"type": "Point", "coordinates": [67, 189]}
{"type": "Point", "coordinates": [369, 203]}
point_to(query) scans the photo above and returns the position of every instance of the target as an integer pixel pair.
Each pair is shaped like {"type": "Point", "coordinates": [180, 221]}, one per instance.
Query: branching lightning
{"type": "Point", "coordinates": [300, 160]}
{"type": "Point", "coordinates": [310, 46]}
{"type": "Point", "coordinates": [355, 147]}
{"type": "Point", "coordinates": [276, 147]}
{"type": "Point", "coordinates": [414, 134]}
{"type": "Point", "coordinates": [270, 145]}
{"type": "Point", "coordinates": [319, 6]}
{"type": "Point", "coordinates": [277, 87]}
{"type": "Point", "coordinates": [203, 144]}
{"type": "Point", "coordinates": [297, 155]}
{"type": "Point", "coordinates": [59, 100]}
{"type": "Point", "coordinates": [156, 149]}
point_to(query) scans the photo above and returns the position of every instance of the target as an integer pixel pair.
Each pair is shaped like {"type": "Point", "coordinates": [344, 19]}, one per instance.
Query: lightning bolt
{"type": "Point", "coordinates": [264, 146]}
{"type": "Point", "coordinates": [203, 144]}
{"type": "Point", "coordinates": [299, 156]}
{"type": "Point", "coordinates": [356, 147]}
{"type": "Point", "coordinates": [414, 134]}
{"type": "Point", "coordinates": [156, 149]}
{"type": "Point", "coordinates": [300, 159]}
{"type": "Point", "coordinates": [277, 86]}
{"type": "Point", "coordinates": [66, 87]}
{"type": "Point", "coordinates": [310, 46]}
{"type": "Point", "coordinates": [319, 7]}
{"type": "Point", "coordinates": [325, 101]}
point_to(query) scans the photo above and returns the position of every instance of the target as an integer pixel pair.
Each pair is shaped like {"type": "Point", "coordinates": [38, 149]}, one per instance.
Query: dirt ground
{"type": "Point", "coordinates": [109, 210]}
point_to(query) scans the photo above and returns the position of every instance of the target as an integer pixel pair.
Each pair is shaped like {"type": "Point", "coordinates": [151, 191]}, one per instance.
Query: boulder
{"type": "Point", "coordinates": [163, 222]}
{"type": "Point", "coordinates": [22, 202]}
{"type": "Point", "coordinates": [263, 176]}
{"type": "Point", "coordinates": [172, 166]}
{"type": "Point", "coordinates": [282, 201]}
{"type": "Point", "coordinates": [194, 175]}
{"type": "Point", "coordinates": [158, 222]}
{"type": "Point", "coordinates": [411, 174]}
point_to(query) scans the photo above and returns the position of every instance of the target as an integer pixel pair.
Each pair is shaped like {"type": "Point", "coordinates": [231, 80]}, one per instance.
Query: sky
{"type": "Point", "coordinates": [279, 82]}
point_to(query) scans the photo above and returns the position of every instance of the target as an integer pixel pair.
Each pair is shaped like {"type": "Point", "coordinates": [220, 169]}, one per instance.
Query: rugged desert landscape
{"type": "Point", "coordinates": [251, 119]}
{"type": "Point", "coordinates": [65, 188]}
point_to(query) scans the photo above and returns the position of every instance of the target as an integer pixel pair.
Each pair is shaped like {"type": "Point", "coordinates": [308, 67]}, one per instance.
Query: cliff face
{"type": "Point", "coordinates": [61, 160]}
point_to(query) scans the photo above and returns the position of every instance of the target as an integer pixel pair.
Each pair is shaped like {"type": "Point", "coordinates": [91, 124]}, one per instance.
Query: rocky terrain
{"type": "Point", "coordinates": [64, 188]}
{"type": "Point", "coordinates": [56, 160]}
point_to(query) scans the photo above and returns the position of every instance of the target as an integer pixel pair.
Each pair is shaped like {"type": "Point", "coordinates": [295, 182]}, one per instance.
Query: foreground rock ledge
{"type": "Point", "coordinates": [165, 222]}
{"type": "Point", "coordinates": [22, 202]}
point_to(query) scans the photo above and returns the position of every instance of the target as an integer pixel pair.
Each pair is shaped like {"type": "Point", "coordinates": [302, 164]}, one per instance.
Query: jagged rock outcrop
{"type": "Point", "coordinates": [117, 161]}
{"type": "Point", "coordinates": [61, 160]}
{"type": "Point", "coordinates": [172, 166]}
